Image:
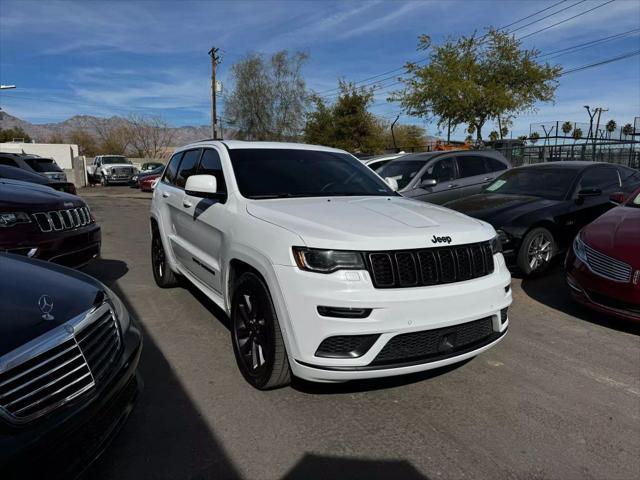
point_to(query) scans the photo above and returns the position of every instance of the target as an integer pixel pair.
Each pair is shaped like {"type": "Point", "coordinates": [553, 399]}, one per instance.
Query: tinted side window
{"type": "Point", "coordinates": [605, 179]}
{"type": "Point", "coordinates": [172, 168]}
{"type": "Point", "coordinates": [8, 161]}
{"type": "Point", "coordinates": [471, 165]}
{"type": "Point", "coordinates": [187, 167]}
{"type": "Point", "coordinates": [442, 170]}
{"type": "Point", "coordinates": [494, 165]}
{"type": "Point", "coordinates": [210, 165]}
{"type": "Point", "coordinates": [630, 179]}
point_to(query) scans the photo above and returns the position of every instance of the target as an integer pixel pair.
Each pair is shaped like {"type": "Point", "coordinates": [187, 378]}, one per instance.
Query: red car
{"type": "Point", "coordinates": [148, 182]}
{"type": "Point", "coordinates": [603, 267]}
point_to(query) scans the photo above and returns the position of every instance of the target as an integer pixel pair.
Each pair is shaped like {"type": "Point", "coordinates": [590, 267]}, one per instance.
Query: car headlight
{"type": "Point", "coordinates": [327, 261]}
{"type": "Point", "coordinates": [120, 310]}
{"type": "Point", "coordinates": [10, 219]}
{"type": "Point", "coordinates": [579, 248]}
{"type": "Point", "coordinates": [496, 243]}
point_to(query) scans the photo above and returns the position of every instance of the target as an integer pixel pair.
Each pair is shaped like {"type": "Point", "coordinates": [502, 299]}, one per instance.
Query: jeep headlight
{"type": "Point", "coordinates": [327, 261]}
{"type": "Point", "coordinates": [119, 309]}
{"type": "Point", "coordinates": [9, 219]}
{"type": "Point", "coordinates": [579, 248]}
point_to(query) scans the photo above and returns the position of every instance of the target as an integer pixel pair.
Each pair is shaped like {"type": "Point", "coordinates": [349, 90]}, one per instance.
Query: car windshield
{"type": "Point", "coordinates": [634, 200]}
{"type": "Point", "coordinates": [281, 173]}
{"type": "Point", "coordinates": [401, 171]}
{"type": "Point", "coordinates": [43, 164]}
{"type": "Point", "coordinates": [551, 183]}
{"type": "Point", "coordinates": [115, 160]}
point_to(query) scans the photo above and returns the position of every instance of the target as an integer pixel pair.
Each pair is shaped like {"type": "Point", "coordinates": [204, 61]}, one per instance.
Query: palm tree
{"type": "Point", "coordinates": [493, 136]}
{"type": "Point", "coordinates": [534, 137]}
{"type": "Point", "coordinates": [627, 130]}
{"type": "Point", "coordinates": [567, 127]}
{"type": "Point", "coordinates": [611, 127]}
{"type": "Point", "coordinates": [577, 135]}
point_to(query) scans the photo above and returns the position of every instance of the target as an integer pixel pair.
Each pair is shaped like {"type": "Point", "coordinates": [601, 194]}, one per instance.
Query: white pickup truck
{"type": "Point", "coordinates": [110, 169]}
{"type": "Point", "coordinates": [326, 272]}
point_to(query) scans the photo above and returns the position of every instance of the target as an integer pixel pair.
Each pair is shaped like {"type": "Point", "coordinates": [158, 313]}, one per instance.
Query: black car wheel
{"type": "Point", "coordinates": [162, 274]}
{"type": "Point", "coordinates": [536, 251]}
{"type": "Point", "coordinates": [256, 336]}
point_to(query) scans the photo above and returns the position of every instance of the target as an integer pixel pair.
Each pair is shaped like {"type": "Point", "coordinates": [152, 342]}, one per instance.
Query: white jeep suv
{"type": "Point", "coordinates": [325, 272]}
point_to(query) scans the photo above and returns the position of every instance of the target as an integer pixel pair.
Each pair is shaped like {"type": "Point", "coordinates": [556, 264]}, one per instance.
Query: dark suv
{"type": "Point", "coordinates": [33, 163]}
{"type": "Point", "coordinates": [40, 222]}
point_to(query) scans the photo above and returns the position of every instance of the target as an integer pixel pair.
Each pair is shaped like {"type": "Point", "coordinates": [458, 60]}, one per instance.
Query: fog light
{"type": "Point", "coordinates": [342, 312]}
{"type": "Point", "coordinates": [503, 315]}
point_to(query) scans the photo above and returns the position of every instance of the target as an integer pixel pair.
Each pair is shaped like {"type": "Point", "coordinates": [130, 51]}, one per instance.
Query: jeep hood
{"type": "Point", "coordinates": [369, 223]}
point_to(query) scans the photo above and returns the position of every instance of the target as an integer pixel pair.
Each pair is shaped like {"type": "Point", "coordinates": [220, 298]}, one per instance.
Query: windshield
{"type": "Point", "coordinates": [634, 200]}
{"type": "Point", "coordinates": [402, 172]}
{"type": "Point", "coordinates": [551, 183]}
{"type": "Point", "coordinates": [115, 160]}
{"type": "Point", "coordinates": [281, 173]}
{"type": "Point", "coordinates": [43, 164]}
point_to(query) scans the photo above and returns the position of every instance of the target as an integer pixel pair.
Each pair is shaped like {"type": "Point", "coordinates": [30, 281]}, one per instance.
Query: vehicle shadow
{"type": "Point", "coordinates": [316, 467]}
{"type": "Point", "coordinates": [165, 436]}
{"type": "Point", "coordinates": [551, 290]}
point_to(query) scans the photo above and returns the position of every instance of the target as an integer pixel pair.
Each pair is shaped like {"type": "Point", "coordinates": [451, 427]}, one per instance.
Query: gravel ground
{"type": "Point", "coordinates": [559, 398]}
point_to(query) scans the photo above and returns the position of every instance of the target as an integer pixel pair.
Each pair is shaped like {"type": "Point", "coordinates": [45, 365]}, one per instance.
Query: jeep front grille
{"type": "Point", "coordinates": [66, 365]}
{"type": "Point", "coordinates": [58, 220]}
{"type": "Point", "coordinates": [433, 266]}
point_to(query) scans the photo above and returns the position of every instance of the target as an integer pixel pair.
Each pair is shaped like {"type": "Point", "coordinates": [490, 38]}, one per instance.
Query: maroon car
{"type": "Point", "coordinates": [43, 223]}
{"type": "Point", "coordinates": [603, 267]}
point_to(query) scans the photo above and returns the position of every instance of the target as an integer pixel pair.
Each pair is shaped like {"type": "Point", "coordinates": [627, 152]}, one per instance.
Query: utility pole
{"type": "Point", "coordinates": [395, 147]}
{"type": "Point", "coordinates": [215, 60]}
{"type": "Point", "coordinates": [595, 136]}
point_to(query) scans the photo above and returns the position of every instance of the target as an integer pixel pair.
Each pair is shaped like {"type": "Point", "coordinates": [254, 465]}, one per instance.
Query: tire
{"type": "Point", "coordinates": [162, 274]}
{"type": "Point", "coordinates": [537, 250]}
{"type": "Point", "coordinates": [255, 333]}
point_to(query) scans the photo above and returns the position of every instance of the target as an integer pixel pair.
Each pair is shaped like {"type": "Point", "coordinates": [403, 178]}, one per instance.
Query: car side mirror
{"type": "Point", "coordinates": [201, 186]}
{"type": "Point", "coordinates": [589, 192]}
{"type": "Point", "coordinates": [617, 198]}
{"type": "Point", "coordinates": [428, 183]}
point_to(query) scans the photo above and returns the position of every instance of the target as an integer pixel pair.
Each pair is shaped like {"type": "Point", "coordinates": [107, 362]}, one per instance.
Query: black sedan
{"type": "Point", "coordinates": [538, 209]}
{"type": "Point", "coordinates": [14, 173]}
{"type": "Point", "coordinates": [68, 357]}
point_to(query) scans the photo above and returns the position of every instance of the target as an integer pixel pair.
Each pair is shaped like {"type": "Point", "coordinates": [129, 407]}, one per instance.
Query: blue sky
{"type": "Point", "coordinates": [118, 57]}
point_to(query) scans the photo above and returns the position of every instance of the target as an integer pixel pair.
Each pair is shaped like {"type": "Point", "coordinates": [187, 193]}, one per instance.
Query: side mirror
{"type": "Point", "coordinates": [617, 198]}
{"type": "Point", "coordinates": [589, 192]}
{"type": "Point", "coordinates": [392, 182]}
{"type": "Point", "coordinates": [428, 182]}
{"type": "Point", "coordinates": [201, 186]}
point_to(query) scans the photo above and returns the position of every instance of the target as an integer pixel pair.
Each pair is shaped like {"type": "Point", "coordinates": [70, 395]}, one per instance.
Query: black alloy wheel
{"type": "Point", "coordinates": [162, 274]}
{"type": "Point", "coordinates": [256, 336]}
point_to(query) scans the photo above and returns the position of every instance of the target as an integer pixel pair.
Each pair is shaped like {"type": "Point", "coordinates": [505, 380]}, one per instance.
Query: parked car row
{"type": "Point", "coordinates": [69, 349]}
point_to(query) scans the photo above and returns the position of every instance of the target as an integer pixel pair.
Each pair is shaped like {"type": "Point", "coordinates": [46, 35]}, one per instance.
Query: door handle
{"type": "Point", "coordinates": [452, 185]}
{"type": "Point", "coordinates": [488, 178]}
{"type": "Point", "coordinates": [187, 204]}
{"type": "Point", "coordinates": [165, 194]}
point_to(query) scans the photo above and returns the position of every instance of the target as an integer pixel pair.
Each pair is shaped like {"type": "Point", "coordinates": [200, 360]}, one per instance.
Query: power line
{"type": "Point", "coordinates": [602, 62]}
{"type": "Point", "coordinates": [566, 20]}
{"type": "Point", "coordinates": [547, 16]}
{"type": "Point", "coordinates": [532, 15]}
{"type": "Point", "coordinates": [581, 46]}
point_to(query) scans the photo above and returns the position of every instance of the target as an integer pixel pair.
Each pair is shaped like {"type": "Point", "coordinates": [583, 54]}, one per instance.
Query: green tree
{"type": "Point", "coordinates": [567, 127]}
{"type": "Point", "coordinates": [577, 134]}
{"type": "Point", "coordinates": [408, 137]}
{"type": "Point", "coordinates": [347, 123]}
{"type": "Point", "coordinates": [475, 79]}
{"type": "Point", "coordinates": [534, 137]}
{"type": "Point", "coordinates": [627, 130]}
{"type": "Point", "coordinates": [269, 97]}
{"type": "Point", "coordinates": [611, 127]}
{"type": "Point", "coordinates": [493, 136]}
{"type": "Point", "coordinates": [9, 134]}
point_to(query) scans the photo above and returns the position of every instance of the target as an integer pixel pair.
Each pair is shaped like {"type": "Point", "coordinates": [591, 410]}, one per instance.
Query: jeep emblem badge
{"type": "Point", "coordinates": [446, 240]}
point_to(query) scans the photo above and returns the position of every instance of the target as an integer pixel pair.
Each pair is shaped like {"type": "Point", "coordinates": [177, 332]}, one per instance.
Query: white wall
{"type": "Point", "coordinates": [62, 153]}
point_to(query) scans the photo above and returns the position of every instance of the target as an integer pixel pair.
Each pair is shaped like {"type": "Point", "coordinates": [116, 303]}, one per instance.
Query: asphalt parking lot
{"type": "Point", "coordinates": [559, 398]}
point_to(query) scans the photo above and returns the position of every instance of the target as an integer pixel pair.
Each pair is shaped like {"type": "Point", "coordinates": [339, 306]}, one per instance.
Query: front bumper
{"type": "Point", "coordinates": [620, 300]}
{"type": "Point", "coordinates": [71, 248]}
{"type": "Point", "coordinates": [393, 312]}
{"type": "Point", "coordinates": [64, 443]}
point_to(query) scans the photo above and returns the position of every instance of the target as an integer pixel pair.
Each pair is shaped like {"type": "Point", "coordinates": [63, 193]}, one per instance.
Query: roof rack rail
{"type": "Point", "coordinates": [209, 140]}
